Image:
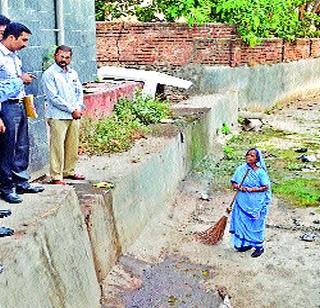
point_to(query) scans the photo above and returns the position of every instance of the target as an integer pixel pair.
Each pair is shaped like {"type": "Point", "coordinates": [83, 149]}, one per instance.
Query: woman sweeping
{"type": "Point", "coordinates": [250, 208]}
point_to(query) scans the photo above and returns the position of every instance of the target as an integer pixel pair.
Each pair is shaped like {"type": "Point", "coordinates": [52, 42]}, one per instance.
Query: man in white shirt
{"type": "Point", "coordinates": [14, 141]}
{"type": "Point", "coordinates": [64, 97]}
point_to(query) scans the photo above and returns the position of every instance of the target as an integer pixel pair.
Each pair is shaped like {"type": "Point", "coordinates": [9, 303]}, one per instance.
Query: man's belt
{"type": "Point", "coordinates": [13, 101]}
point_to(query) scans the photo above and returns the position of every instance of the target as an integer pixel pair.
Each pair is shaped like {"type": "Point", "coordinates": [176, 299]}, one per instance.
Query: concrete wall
{"type": "Point", "coordinates": [48, 262]}
{"type": "Point", "coordinates": [258, 86]}
{"type": "Point", "coordinates": [40, 17]}
{"type": "Point", "coordinates": [148, 175]}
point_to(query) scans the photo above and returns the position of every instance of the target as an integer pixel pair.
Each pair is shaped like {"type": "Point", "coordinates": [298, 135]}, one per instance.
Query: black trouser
{"type": "Point", "coordinates": [14, 146]}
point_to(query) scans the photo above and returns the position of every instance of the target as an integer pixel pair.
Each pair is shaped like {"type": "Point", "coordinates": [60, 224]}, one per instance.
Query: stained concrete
{"type": "Point", "coordinates": [48, 262]}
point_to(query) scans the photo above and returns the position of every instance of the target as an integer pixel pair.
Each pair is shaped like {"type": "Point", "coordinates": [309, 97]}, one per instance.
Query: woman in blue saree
{"type": "Point", "coordinates": [250, 208]}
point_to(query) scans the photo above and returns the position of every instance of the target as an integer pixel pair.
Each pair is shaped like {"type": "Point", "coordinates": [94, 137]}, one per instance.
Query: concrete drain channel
{"type": "Point", "coordinates": [174, 282]}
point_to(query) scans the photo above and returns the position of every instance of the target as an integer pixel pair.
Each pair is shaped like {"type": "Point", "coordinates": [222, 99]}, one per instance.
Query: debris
{"type": "Point", "coordinates": [205, 197]}
{"type": "Point", "coordinates": [6, 231]}
{"type": "Point", "coordinates": [167, 121]}
{"type": "Point", "coordinates": [205, 274]}
{"type": "Point", "coordinates": [223, 293]}
{"type": "Point", "coordinates": [5, 213]}
{"type": "Point", "coordinates": [307, 158]}
{"type": "Point", "coordinates": [308, 237]}
{"type": "Point", "coordinates": [172, 300]}
{"type": "Point", "coordinates": [151, 79]}
{"type": "Point", "coordinates": [296, 221]}
{"type": "Point", "coordinates": [252, 124]}
{"type": "Point", "coordinates": [106, 185]}
{"type": "Point", "coordinates": [301, 150]}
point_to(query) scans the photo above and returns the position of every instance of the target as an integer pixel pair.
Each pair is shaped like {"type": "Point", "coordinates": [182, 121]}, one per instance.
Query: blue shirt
{"type": "Point", "coordinates": [63, 92]}
{"type": "Point", "coordinates": [11, 85]}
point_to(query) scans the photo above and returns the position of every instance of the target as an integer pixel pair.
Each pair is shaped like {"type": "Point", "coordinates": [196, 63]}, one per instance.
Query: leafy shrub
{"type": "Point", "coordinates": [229, 152]}
{"type": "Point", "coordinates": [129, 122]}
{"type": "Point", "coordinates": [225, 129]}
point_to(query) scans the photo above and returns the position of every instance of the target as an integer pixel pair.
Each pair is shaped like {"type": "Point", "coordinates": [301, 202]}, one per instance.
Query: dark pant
{"type": "Point", "coordinates": [14, 146]}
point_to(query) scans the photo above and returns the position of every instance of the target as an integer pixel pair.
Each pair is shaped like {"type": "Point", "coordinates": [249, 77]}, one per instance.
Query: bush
{"type": "Point", "coordinates": [129, 122]}
{"type": "Point", "coordinates": [254, 19]}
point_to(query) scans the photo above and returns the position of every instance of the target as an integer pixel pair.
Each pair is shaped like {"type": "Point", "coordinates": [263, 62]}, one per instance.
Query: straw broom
{"type": "Point", "coordinates": [214, 234]}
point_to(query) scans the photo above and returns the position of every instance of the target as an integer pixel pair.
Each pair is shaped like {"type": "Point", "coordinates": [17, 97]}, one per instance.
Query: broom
{"type": "Point", "coordinates": [214, 234]}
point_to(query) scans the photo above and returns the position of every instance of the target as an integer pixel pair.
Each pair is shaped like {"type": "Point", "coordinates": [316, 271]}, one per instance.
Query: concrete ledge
{"type": "Point", "coordinates": [48, 262]}
{"type": "Point", "coordinates": [100, 103]}
{"type": "Point", "coordinates": [96, 205]}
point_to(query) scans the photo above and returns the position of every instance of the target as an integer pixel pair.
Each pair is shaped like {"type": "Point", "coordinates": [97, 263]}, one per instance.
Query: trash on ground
{"type": "Point", "coordinates": [252, 124]}
{"type": "Point", "coordinates": [307, 158]}
{"type": "Point", "coordinates": [105, 184]}
{"type": "Point", "coordinates": [309, 237]}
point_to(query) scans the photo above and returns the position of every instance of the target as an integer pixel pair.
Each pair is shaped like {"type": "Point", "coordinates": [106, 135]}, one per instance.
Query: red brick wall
{"type": "Point", "coordinates": [173, 44]}
{"type": "Point", "coordinates": [299, 49]}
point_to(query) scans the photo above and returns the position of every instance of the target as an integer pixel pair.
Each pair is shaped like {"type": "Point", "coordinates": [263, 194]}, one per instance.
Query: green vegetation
{"type": "Point", "coordinates": [129, 122]}
{"type": "Point", "coordinates": [225, 129]}
{"type": "Point", "coordinates": [289, 176]}
{"type": "Point", "coordinates": [301, 192]}
{"type": "Point", "coordinates": [254, 19]}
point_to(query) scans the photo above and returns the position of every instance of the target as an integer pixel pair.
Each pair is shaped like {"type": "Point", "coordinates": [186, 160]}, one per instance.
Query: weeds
{"type": "Point", "coordinates": [129, 122]}
{"type": "Point", "coordinates": [301, 192]}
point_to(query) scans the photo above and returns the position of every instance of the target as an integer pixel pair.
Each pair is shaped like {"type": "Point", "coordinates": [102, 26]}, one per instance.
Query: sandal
{"type": "Point", "coordinates": [57, 182]}
{"type": "Point", "coordinates": [257, 253]}
{"type": "Point", "coordinates": [76, 176]}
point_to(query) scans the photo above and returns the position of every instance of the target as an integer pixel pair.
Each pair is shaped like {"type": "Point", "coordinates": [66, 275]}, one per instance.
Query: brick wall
{"type": "Point", "coordinates": [172, 44]}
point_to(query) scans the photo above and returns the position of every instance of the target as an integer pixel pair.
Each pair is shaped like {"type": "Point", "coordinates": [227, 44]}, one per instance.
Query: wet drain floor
{"type": "Point", "coordinates": [175, 282]}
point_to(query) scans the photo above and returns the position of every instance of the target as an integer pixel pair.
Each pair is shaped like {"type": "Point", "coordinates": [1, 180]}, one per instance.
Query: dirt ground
{"type": "Point", "coordinates": [167, 267]}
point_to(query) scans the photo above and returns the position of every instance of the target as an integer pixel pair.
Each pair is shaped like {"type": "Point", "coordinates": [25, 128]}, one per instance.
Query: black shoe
{"type": "Point", "coordinates": [11, 197]}
{"type": "Point", "coordinates": [6, 231]}
{"type": "Point", "coordinates": [29, 189]}
{"type": "Point", "coordinates": [243, 248]}
{"type": "Point", "coordinates": [5, 213]}
{"type": "Point", "coordinates": [257, 253]}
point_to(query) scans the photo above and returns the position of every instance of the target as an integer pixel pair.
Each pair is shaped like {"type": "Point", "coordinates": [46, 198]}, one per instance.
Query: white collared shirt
{"type": "Point", "coordinates": [63, 92]}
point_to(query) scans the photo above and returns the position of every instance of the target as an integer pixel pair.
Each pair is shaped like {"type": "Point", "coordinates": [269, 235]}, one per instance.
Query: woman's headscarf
{"type": "Point", "coordinates": [260, 160]}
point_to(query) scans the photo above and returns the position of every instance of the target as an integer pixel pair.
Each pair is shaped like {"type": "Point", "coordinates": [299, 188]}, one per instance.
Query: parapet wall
{"type": "Point", "coordinates": [176, 44]}
{"type": "Point", "coordinates": [260, 86]}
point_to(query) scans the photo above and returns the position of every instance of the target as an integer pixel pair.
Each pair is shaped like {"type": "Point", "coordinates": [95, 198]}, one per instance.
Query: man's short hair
{"type": "Point", "coordinates": [4, 21]}
{"type": "Point", "coordinates": [63, 48]}
{"type": "Point", "coordinates": [15, 29]}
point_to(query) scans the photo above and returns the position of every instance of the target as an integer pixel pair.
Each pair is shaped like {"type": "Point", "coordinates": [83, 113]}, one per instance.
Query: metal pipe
{"type": "Point", "coordinates": [60, 21]}
{"type": "Point", "coordinates": [4, 7]}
